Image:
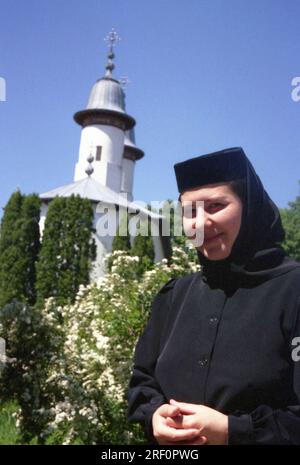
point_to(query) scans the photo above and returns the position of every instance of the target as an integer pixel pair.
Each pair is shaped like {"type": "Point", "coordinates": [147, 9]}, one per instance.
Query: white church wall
{"type": "Point", "coordinates": [106, 220]}
{"type": "Point", "coordinates": [108, 170]}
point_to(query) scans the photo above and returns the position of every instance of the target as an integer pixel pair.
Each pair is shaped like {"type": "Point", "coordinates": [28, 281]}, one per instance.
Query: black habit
{"type": "Point", "coordinates": [224, 337]}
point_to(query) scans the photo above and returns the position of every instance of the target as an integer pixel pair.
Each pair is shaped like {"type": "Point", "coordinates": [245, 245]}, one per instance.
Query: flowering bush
{"type": "Point", "coordinates": [85, 376]}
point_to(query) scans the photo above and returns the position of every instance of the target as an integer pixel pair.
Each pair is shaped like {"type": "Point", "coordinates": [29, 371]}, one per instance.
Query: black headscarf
{"type": "Point", "coordinates": [256, 254]}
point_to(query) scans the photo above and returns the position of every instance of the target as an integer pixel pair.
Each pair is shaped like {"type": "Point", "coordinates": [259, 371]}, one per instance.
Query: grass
{"type": "Point", "coordinates": [8, 431]}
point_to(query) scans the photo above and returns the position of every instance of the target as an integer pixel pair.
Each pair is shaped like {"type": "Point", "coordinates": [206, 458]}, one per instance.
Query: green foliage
{"type": "Point", "coordinates": [143, 248]}
{"type": "Point", "coordinates": [69, 366]}
{"type": "Point", "coordinates": [121, 240]}
{"type": "Point", "coordinates": [9, 433]}
{"type": "Point", "coordinates": [291, 223]}
{"type": "Point", "coordinates": [142, 245]}
{"type": "Point", "coordinates": [12, 212]}
{"type": "Point", "coordinates": [19, 248]}
{"type": "Point", "coordinates": [32, 341]}
{"type": "Point", "coordinates": [67, 251]}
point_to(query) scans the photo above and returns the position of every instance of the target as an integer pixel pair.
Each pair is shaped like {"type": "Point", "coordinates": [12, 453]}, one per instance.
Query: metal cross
{"type": "Point", "coordinates": [112, 38]}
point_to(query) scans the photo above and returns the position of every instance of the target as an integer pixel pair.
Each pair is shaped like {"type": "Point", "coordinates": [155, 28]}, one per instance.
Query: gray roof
{"type": "Point", "coordinates": [107, 94]}
{"type": "Point", "coordinates": [89, 188]}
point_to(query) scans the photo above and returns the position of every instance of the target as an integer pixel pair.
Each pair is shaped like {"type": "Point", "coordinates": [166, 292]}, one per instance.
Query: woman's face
{"type": "Point", "coordinates": [220, 218]}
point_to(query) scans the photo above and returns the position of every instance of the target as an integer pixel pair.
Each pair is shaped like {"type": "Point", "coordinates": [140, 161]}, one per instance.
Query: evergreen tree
{"type": "Point", "coordinates": [67, 249]}
{"type": "Point", "coordinates": [122, 241]}
{"type": "Point", "coordinates": [30, 244]}
{"type": "Point", "coordinates": [291, 223]}
{"type": "Point", "coordinates": [143, 248]}
{"type": "Point", "coordinates": [12, 212]}
{"type": "Point", "coordinates": [48, 265]}
{"type": "Point", "coordinates": [19, 248]}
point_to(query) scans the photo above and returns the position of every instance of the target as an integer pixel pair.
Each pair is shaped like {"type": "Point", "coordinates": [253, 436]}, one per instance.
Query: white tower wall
{"type": "Point", "coordinates": [108, 170]}
{"type": "Point", "coordinates": [127, 177]}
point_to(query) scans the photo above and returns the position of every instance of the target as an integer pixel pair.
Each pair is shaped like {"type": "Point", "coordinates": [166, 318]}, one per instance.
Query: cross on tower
{"type": "Point", "coordinates": [111, 39]}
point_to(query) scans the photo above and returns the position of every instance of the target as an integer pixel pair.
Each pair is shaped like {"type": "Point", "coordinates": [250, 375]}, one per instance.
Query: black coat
{"type": "Point", "coordinates": [230, 350]}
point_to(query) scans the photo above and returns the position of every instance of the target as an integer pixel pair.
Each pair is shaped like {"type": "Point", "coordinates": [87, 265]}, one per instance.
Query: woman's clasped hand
{"type": "Point", "coordinates": [182, 423]}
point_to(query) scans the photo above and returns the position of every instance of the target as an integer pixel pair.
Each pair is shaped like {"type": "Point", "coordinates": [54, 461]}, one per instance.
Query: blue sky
{"type": "Point", "coordinates": [205, 75]}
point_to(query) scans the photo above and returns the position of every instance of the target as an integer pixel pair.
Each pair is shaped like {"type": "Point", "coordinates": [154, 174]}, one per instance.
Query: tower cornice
{"type": "Point", "coordinates": [93, 116]}
{"type": "Point", "coordinates": [132, 153]}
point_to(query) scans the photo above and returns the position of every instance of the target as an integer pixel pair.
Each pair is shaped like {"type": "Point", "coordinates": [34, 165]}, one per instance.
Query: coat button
{"type": "Point", "coordinates": [202, 362]}
{"type": "Point", "coordinates": [213, 319]}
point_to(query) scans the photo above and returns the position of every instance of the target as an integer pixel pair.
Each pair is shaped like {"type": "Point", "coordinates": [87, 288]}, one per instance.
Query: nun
{"type": "Point", "coordinates": [216, 361]}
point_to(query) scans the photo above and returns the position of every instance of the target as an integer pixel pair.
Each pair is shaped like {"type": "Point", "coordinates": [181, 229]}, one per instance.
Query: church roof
{"type": "Point", "coordinates": [89, 188]}
{"type": "Point", "coordinates": [107, 94]}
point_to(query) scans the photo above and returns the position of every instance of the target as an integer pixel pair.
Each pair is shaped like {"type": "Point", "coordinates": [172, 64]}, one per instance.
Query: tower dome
{"type": "Point", "coordinates": [107, 94]}
{"type": "Point", "coordinates": [106, 104]}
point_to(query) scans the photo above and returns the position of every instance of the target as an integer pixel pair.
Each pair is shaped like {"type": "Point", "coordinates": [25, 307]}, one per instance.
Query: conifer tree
{"type": "Point", "coordinates": [19, 248]}
{"type": "Point", "coordinates": [142, 247]}
{"type": "Point", "coordinates": [12, 212]}
{"type": "Point", "coordinates": [291, 223]}
{"type": "Point", "coordinates": [122, 241]}
{"type": "Point", "coordinates": [48, 266]}
{"type": "Point", "coordinates": [29, 236]}
{"type": "Point", "coordinates": [68, 249]}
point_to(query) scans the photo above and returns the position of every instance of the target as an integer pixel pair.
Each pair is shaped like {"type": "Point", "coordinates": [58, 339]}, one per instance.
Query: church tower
{"type": "Point", "coordinates": [104, 171]}
{"type": "Point", "coordinates": [108, 132]}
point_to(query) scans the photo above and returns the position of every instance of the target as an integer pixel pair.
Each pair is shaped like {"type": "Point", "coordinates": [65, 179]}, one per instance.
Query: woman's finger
{"type": "Point", "coordinates": [167, 410]}
{"type": "Point", "coordinates": [175, 422]}
{"type": "Point", "coordinates": [172, 434]}
{"type": "Point", "coordinates": [184, 421]}
{"type": "Point", "coordinates": [184, 407]}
